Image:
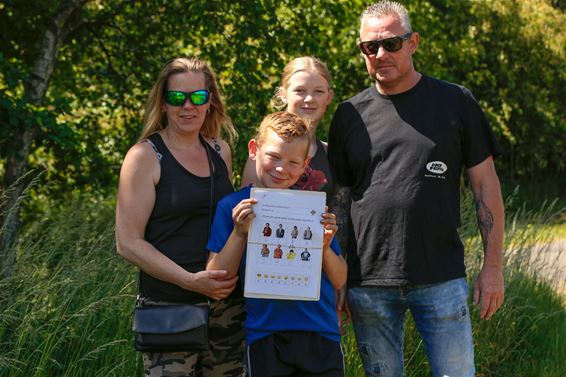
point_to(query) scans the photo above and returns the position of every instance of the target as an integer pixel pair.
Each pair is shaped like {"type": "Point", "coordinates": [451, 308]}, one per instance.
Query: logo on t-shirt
{"type": "Point", "coordinates": [438, 168]}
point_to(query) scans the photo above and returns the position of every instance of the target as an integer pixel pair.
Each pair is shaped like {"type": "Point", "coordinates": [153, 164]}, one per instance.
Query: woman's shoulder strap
{"type": "Point", "coordinates": [215, 145]}
{"type": "Point", "coordinates": [154, 140]}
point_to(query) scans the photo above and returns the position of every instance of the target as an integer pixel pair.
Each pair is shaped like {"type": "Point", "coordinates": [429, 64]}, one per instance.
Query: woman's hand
{"type": "Point", "coordinates": [213, 283]}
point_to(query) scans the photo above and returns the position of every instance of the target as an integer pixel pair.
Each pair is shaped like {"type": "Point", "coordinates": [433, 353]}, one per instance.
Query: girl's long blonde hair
{"type": "Point", "coordinates": [300, 64]}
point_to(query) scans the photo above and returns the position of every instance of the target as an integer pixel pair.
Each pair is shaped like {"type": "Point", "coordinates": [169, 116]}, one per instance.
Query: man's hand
{"type": "Point", "coordinates": [343, 309]}
{"type": "Point", "coordinates": [489, 291]}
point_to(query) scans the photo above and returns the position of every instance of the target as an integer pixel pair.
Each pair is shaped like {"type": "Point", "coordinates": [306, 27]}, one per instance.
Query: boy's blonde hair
{"type": "Point", "coordinates": [286, 125]}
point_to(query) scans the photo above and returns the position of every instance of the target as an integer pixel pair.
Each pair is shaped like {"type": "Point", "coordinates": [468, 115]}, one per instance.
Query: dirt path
{"type": "Point", "coordinates": [551, 262]}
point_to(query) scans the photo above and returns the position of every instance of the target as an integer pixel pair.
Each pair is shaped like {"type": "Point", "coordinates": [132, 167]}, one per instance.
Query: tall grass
{"type": "Point", "coordinates": [527, 336]}
{"type": "Point", "coordinates": [66, 308]}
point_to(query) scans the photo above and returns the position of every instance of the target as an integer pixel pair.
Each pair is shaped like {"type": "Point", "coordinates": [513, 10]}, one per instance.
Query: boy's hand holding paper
{"type": "Point", "coordinates": [243, 215]}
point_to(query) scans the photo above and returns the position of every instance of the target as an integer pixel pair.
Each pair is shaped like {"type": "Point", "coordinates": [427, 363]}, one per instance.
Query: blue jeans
{"type": "Point", "coordinates": [441, 315]}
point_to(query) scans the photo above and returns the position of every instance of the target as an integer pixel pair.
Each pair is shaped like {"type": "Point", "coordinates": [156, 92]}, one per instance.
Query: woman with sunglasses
{"type": "Point", "coordinates": [170, 182]}
{"type": "Point", "coordinates": [306, 91]}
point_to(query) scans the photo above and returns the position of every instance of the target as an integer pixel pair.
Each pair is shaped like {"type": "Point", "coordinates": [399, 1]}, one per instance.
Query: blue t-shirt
{"type": "Point", "coordinates": [266, 316]}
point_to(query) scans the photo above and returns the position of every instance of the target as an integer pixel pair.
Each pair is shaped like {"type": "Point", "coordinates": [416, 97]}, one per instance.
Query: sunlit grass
{"type": "Point", "coordinates": [66, 309]}
{"type": "Point", "coordinates": [553, 231]}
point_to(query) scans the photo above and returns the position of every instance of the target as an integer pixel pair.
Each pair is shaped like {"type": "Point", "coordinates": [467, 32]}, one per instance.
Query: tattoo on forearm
{"type": "Point", "coordinates": [340, 205]}
{"type": "Point", "coordinates": [485, 220]}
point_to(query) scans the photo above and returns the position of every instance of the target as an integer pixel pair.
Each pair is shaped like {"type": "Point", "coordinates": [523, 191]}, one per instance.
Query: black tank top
{"type": "Point", "coordinates": [179, 223]}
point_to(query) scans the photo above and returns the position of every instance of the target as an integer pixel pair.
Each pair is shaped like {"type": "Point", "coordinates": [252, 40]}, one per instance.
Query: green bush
{"type": "Point", "coordinates": [511, 54]}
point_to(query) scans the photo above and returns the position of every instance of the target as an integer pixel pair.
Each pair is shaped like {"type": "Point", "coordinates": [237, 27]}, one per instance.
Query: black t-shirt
{"type": "Point", "coordinates": [402, 157]}
{"type": "Point", "coordinates": [179, 223]}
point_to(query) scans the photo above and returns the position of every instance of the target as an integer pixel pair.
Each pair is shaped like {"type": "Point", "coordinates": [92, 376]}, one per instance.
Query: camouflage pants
{"type": "Point", "coordinates": [225, 356]}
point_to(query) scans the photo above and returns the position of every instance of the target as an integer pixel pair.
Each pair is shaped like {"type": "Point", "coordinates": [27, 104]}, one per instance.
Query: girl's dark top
{"type": "Point", "coordinates": [179, 223]}
{"type": "Point", "coordinates": [317, 175]}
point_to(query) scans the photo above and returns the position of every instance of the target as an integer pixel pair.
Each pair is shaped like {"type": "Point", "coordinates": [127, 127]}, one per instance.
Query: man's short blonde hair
{"type": "Point", "coordinates": [386, 8]}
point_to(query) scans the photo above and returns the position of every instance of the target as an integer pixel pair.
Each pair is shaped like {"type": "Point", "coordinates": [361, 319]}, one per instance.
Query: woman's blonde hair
{"type": "Point", "coordinates": [216, 118]}
{"type": "Point", "coordinates": [303, 63]}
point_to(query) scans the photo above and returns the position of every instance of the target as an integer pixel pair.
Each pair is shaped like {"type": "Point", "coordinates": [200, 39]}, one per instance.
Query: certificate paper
{"type": "Point", "coordinates": [284, 254]}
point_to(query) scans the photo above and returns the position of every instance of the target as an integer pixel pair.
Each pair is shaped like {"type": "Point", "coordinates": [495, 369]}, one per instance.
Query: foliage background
{"type": "Point", "coordinates": [65, 309]}
{"type": "Point", "coordinates": [510, 53]}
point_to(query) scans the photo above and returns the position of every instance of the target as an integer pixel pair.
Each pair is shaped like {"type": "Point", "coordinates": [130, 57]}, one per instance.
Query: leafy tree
{"type": "Point", "coordinates": [31, 115]}
{"type": "Point", "coordinates": [510, 53]}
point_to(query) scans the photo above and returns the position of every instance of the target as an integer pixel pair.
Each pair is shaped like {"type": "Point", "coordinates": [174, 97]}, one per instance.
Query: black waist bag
{"type": "Point", "coordinates": [171, 328]}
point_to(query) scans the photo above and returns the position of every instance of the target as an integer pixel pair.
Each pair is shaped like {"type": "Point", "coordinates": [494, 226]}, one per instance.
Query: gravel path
{"type": "Point", "coordinates": [551, 262]}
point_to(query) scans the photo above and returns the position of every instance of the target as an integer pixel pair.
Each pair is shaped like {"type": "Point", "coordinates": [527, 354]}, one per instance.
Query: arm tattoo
{"type": "Point", "coordinates": [485, 220]}
{"type": "Point", "coordinates": [340, 205]}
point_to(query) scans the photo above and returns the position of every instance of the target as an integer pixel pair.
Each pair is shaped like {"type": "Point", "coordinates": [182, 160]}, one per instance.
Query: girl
{"type": "Point", "coordinates": [306, 91]}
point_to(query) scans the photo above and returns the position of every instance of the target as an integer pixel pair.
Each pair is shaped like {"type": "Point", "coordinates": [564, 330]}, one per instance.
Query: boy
{"type": "Point", "coordinates": [284, 337]}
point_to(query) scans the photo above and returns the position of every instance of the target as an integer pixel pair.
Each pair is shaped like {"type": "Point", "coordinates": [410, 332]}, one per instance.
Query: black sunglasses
{"type": "Point", "coordinates": [177, 98]}
{"type": "Point", "coordinates": [389, 44]}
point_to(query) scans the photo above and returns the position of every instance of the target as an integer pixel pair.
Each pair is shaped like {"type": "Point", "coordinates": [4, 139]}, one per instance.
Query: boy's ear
{"type": "Point", "coordinates": [252, 149]}
{"type": "Point", "coordinates": [307, 161]}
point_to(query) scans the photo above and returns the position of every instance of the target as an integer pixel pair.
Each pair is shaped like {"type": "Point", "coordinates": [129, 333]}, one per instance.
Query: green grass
{"type": "Point", "coordinates": [534, 193]}
{"type": "Point", "coordinates": [66, 309]}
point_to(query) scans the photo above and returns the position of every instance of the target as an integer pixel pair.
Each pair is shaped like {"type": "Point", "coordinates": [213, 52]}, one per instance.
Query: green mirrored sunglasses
{"type": "Point", "coordinates": [176, 98]}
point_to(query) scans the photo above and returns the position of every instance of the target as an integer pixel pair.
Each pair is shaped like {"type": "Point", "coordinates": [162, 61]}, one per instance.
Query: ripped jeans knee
{"type": "Point", "coordinates": [373, 364]}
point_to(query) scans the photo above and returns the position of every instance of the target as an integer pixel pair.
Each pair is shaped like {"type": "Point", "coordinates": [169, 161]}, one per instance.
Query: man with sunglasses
{"type": "Point", "coordinates": [399, 148]}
